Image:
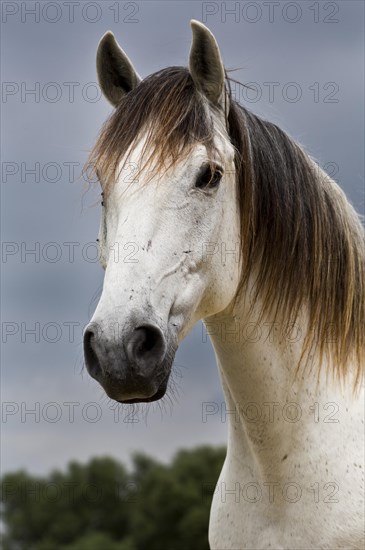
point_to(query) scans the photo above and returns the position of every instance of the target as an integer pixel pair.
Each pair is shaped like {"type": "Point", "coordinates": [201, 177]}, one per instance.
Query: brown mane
{"type": "Point", "coordinates": [298, 231]}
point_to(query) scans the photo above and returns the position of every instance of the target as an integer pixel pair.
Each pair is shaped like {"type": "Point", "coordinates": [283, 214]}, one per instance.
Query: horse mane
{"type": "Point", "coordinates": [299, 234]}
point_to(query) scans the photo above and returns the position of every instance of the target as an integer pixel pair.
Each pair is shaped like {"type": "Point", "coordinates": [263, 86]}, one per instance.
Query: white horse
{"type": "Point", "coordinates": [212, 213]}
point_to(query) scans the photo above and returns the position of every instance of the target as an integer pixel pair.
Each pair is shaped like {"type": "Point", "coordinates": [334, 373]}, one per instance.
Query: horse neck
{"type": "Point", "coordinates": [268, 408]}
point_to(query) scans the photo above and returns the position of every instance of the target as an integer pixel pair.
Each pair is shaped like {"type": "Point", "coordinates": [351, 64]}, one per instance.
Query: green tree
{"type": "Point", "coordinates": [101, 506]}
{"type": "Point", "coordinates": [60, 508]}
{"type": "Point", "coordinates": [173, 502]}
{"type": "Point", "coordinates": [99, 541]}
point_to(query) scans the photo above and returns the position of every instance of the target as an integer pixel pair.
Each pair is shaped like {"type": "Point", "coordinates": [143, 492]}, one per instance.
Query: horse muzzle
{"type": "Point", "coordinates": [133, 366]}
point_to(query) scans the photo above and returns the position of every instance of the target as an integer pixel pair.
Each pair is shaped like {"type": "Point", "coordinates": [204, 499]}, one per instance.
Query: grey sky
{"type": "Point", "coordinates": [309, 51]}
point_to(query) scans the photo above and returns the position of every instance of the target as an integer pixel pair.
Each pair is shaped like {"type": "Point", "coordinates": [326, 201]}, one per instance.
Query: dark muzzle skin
{"type": "Point", "coordinates": [133, 366]}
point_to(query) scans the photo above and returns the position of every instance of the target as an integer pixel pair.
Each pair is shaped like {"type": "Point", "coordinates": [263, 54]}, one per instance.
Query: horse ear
{"type": "Point", "coordinates": [205, 63]}
{"type": "Point", "coordinates": [115, 71]}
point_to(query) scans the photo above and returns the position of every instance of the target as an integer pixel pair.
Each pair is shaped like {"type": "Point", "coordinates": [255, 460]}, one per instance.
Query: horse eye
{"type": "Point", "coordinates": [208, 177]}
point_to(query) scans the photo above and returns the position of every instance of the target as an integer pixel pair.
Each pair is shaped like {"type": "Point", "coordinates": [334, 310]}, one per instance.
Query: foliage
{"type": "Point", "coordinates": [102, 506]}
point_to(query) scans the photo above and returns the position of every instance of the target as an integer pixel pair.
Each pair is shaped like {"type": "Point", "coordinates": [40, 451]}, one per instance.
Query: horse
{"type": "Point", "coordinates": [231, 222]}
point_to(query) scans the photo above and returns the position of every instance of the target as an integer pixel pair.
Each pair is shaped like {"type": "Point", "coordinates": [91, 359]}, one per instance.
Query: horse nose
{"type": "Point", "coordinates": [131, 366]}
{"type": "Point", "coordinates": [146, 347]}
{"type": "Point", "coordinates": [141, 350]}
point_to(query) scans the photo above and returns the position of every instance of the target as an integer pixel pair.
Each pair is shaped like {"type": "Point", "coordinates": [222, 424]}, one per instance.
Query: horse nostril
{"type": "Point", "coordinates": [146, 346]}
{"type": "Point", "coordinates": [91, 359]}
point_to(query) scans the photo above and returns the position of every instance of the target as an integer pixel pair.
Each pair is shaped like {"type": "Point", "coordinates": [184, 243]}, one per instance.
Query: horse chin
{"type": "Point", "coordinates": [136, 391]}
{"type": "Point", "coordinates": [158, 395]}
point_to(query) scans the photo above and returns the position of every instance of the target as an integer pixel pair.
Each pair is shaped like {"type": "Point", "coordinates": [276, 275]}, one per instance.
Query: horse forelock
{"type": "Point", "coordinates": [169, 113]}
